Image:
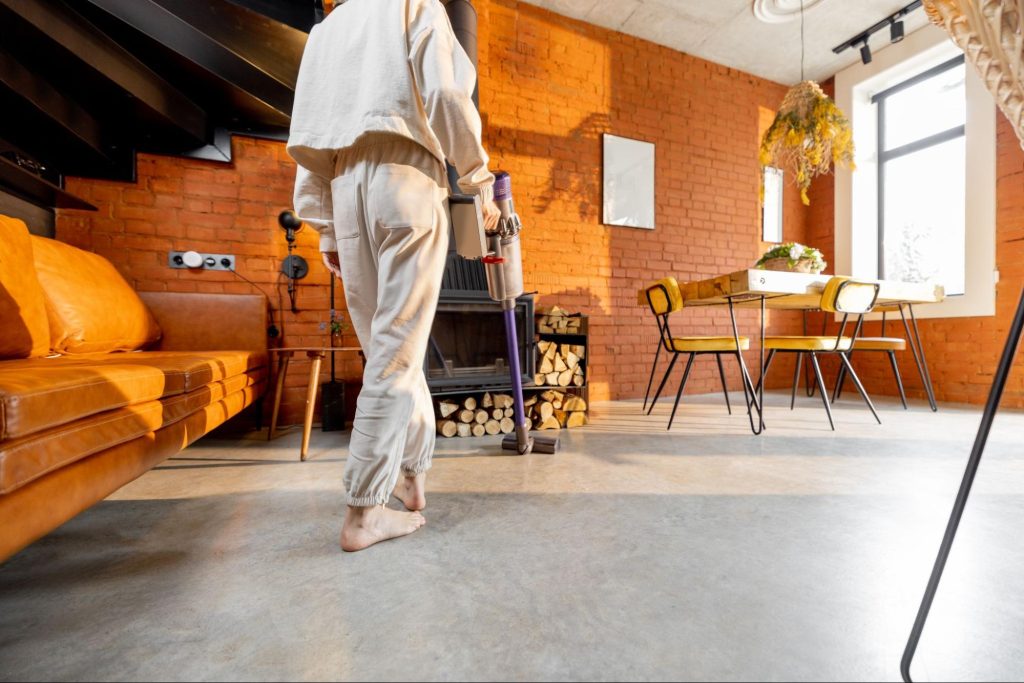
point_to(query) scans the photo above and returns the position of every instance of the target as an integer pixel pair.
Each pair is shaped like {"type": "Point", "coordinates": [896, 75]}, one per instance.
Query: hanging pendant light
{"type": "Point", "coordinates": [810, 133]}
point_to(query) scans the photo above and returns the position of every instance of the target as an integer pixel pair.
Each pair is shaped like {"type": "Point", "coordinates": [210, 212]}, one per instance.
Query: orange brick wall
{"type": "Point", "coordinates": [962, 352]}
{"type": "Point", "coordinates": [549, 87]}
{"type": "Point", "coordinates": [215, 208]}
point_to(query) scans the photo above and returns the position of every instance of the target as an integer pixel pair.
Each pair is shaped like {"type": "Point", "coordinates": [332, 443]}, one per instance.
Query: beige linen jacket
{"type": "Point", "coordinates": [382, 66]}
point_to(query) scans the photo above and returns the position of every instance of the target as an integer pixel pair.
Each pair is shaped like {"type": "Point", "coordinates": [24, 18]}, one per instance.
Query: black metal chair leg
{"type": "Point", "coordinates": [650, 382]}
{"type": "Point", "coordinates": [796, 379]}
{"type": "Point", "coordinates": [811, 387]}
{"type": "Point", "coordinates": [767, 367]}
{"type": "Point", "coordinates": [994, 399]}
{"type": "Point", "coordinates": [664, 379]}
{"type": "Point", "coordinates": [840, 383]}
{"type": "Point", "coordinates": [860, 387]}
{"type": "Point", "coordinates": [899, 378]}
{"type": "Point", "coordinates": [823, 390]}
{"type": "Point", "coordinates": [682, 385]}
{"type": "Point", "coordinates": [725, 387]}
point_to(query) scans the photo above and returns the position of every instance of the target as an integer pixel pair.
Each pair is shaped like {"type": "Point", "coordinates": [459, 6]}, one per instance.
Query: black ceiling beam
{"type": "Point", "coordinates": [36, 189]}
{"type": "Point", "coordinates": [48, 101]}
{"type": "Point", "coordinates": [300, 14]}
{"type": "Point", "coordinates": [254, 53]}
{"type": "Point", "coordinates": [74, 33]}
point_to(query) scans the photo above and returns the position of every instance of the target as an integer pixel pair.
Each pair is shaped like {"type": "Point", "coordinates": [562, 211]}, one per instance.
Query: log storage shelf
{"type": "Point", "coordinates": [491, 414]}
{"type": "Point", "coordinates": [563, 350]}
{"type": "Point", "coordinates": [557, 400]}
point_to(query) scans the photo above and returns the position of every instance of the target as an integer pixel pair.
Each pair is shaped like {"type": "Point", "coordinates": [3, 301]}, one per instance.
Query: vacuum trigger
{"type": "Point", "coordinates": [491, 259]}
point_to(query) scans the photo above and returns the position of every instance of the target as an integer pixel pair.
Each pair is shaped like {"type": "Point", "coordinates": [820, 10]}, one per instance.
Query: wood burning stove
{"type": "Point", "coordinates": [467, 351]}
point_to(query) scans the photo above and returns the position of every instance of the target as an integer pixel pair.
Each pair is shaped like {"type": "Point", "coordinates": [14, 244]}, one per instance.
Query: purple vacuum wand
{"type": "Point", "coordinates": [504, 267]}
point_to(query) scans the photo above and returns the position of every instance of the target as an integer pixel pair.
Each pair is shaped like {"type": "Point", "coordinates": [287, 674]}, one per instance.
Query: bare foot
{"type": "Point", "coordinates": [412, 491]}
{"type": "Point", "coordinates": [366, 526]}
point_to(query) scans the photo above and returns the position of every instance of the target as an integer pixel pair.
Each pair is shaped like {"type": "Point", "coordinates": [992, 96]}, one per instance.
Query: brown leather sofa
{"type": "Point", "coordinates": [108, 383]}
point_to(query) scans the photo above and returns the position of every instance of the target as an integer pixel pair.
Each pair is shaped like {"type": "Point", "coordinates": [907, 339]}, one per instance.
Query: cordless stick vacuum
{"type": "Point", "coordinates": [503, 263]}
{"type": "Point", "coordinates": [504, 266]}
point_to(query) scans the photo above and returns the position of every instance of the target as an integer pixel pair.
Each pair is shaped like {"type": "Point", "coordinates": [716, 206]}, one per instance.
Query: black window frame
{"type": "Point", "coordinates": [885, 156]}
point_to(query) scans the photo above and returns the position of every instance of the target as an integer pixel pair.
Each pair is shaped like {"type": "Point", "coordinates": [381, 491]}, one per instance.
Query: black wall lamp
{"type": "Point", "coordinates": [294, 267]}
{"type": "Point", "coordinates": [893, 21]}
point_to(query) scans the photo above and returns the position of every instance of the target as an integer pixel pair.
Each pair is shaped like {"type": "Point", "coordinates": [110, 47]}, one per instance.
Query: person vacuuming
{"type": "Point", "coordinates": [383, 99]}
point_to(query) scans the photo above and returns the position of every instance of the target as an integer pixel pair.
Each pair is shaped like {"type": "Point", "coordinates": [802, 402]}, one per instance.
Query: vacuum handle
{"type": "Point", "coordinates": [468, 223]}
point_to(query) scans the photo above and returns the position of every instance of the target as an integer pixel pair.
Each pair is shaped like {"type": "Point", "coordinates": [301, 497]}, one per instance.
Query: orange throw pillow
{"type": "Point", "coordinates": [91, 308]}
{"type": "Point", "coordinates": [24, 331]}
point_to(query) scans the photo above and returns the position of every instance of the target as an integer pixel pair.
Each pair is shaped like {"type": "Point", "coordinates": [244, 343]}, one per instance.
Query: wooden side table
{"type": "Point", "coordinates": [316, 355]}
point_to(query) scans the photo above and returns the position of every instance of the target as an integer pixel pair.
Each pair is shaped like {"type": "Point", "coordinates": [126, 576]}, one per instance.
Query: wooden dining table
{"type": "Point", "coordinates": [778, 290]}
{"type": "Point", "coordinates": [794, 291]}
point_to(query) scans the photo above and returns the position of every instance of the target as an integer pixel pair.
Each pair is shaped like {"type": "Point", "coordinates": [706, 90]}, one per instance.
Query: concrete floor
{"type": "Point", "coordinates": [700, 554]}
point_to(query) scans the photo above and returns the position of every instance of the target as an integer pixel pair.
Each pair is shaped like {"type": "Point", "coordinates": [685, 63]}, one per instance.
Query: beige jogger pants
{"type": "Point", "coordinates": [391, 222]}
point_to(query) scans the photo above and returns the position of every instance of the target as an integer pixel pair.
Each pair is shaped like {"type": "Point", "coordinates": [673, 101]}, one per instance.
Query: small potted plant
{"type": "Point", "coordinates": [794, 258]}
{"type": "Point", "coordinates": [337, 327]}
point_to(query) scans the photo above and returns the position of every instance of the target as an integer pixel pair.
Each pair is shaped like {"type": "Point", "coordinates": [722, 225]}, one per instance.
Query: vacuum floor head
{"type": "Point", "coordinates": [545, 444]}
{"type": "Point", "coordinates": [533, 444]}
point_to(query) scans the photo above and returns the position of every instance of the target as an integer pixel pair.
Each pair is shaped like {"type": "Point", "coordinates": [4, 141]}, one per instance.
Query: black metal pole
{"type": "Point", "coordinates": [331, 325]}
{"type": "Point", "coordinates": [463, 18]}
{"type": "Point", "coordinates": [994, 399]}
{"type": "Point", "coordinates": [764, 370]}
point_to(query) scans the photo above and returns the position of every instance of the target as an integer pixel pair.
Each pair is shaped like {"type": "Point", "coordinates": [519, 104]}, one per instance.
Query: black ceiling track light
{"type": "Point", "coordinates": [893, 21]}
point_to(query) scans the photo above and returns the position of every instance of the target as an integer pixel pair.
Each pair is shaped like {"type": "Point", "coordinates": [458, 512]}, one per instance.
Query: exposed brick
{"type": "Point", "coordinates": [550, 86]}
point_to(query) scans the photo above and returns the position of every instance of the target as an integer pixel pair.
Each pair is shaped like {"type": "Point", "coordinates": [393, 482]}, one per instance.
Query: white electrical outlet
{"type": "Point", "coordinates": [183, 259]}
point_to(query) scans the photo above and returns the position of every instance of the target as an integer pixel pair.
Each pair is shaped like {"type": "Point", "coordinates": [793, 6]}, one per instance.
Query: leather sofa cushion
{"type": "Point", "coordinates": [41, 506]}
{"type": "Point", "coordinates": [41, 393]}
{"type": "Point", "coordinates": [24, 330]}
{"type": "Point", "coordinates": [91, 308]}
{"type": "Point", "coordinates": [28, 458]}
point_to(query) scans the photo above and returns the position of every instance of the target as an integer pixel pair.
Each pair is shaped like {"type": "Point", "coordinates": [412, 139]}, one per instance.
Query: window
{"type": "Point", "coordinates": [921, 178]}
{"type": "Point", "coordinates": [771, 216]}
{"type": "Point", "coordinates": [921, 204]}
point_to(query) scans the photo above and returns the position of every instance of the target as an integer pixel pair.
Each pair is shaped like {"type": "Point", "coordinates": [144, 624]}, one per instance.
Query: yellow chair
{"type": "Point", "coordinates": [883, 344]}
{"type": "Point", "coordinates": [887, 345]}
{"type": "Point", "coordinates": [665, 298]}
{"type": "Point", "coordinates": [841, 295]}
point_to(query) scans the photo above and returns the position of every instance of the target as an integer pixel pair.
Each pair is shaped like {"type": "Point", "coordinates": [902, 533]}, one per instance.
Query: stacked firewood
{"type": "Point", "coordinates": [560, 365]}
{"type": "Point", "coordinates": [557, 320]}
{"type": "Point", "coordinates": [553, 409]}
{"type": "Point", "coordinates": [493, 413]}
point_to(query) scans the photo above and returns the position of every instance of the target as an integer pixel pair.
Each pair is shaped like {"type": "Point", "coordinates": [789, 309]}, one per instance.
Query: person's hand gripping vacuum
{"type": "Point", "coordinates": [491, 216]}
{"type": "Point", "coordinates": [332, 263]}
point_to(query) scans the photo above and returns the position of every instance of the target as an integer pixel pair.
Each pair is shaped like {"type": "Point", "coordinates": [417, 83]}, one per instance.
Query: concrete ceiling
{"type": "Point", "coordinates": [727, 31]}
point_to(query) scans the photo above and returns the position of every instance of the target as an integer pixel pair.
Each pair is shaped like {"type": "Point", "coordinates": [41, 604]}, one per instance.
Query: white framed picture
{"type": "Point", "coordinates": [628, 182]}
{"type": "Point", "coordinates": [771, 215]}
